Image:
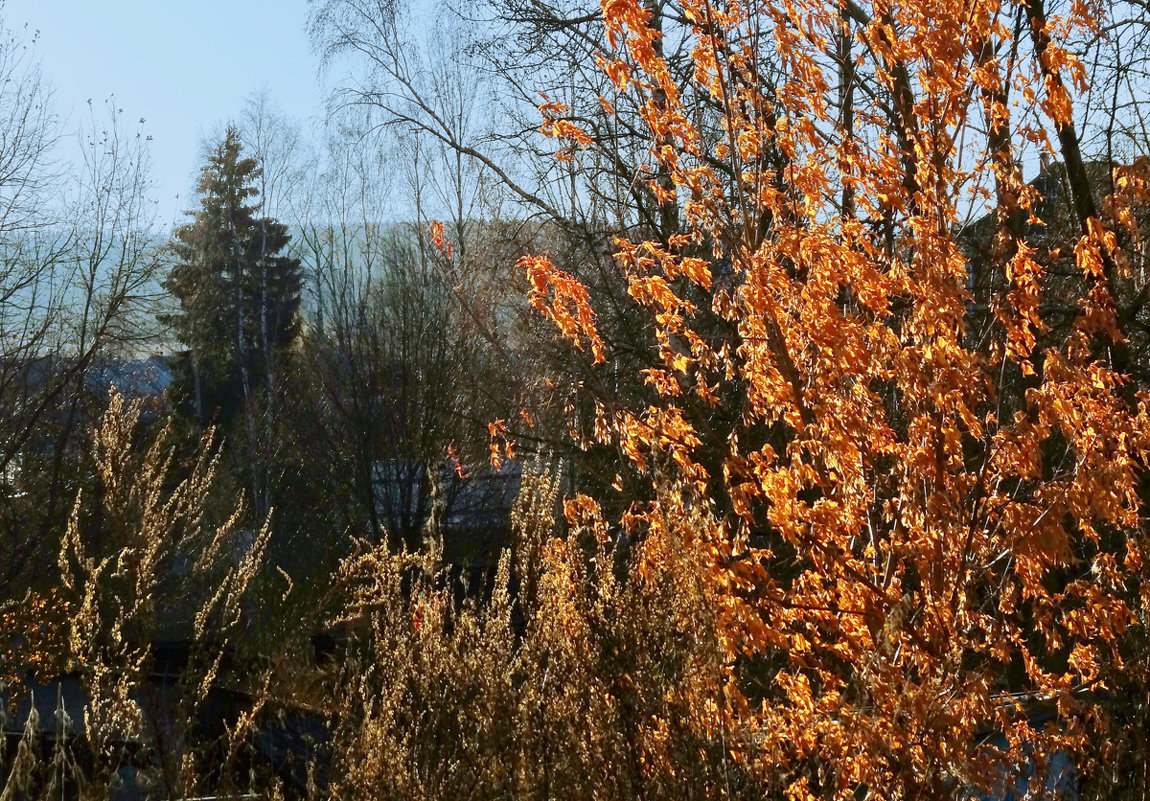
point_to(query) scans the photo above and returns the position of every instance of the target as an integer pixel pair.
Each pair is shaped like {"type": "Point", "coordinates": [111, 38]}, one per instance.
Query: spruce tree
{"type": "Point", "coordinates": [238, 296]}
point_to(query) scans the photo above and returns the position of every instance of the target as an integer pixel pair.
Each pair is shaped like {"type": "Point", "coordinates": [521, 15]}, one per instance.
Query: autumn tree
{"type": "Point", "coordinates": [924, 532]}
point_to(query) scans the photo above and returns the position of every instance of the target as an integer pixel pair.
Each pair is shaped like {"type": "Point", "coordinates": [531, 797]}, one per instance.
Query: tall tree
{"type": "Point", "coordinates": [238, 297]}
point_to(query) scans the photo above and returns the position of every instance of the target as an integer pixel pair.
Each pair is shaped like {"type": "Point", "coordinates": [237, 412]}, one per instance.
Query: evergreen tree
{"type": "Point", "coordinates": [239, 298]}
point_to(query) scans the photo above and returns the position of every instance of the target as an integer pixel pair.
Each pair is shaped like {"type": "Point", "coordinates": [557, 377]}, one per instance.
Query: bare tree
{"type": "Point", "coordinates": [80, 282]}
{"type": "Point", "coordinates": [385, 355]}
{"type": "Point", "coordinates": [278, 143]}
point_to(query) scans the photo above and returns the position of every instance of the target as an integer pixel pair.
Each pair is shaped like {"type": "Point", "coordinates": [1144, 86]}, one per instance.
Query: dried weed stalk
{"type": "Point", "coordinates": [154, 551]}
{"type": "Point", "coordinates": [589, 670]}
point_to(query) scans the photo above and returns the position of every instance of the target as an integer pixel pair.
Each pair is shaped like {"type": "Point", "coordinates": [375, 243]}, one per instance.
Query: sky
{"type": "Point", "coordinates": [184, 66]}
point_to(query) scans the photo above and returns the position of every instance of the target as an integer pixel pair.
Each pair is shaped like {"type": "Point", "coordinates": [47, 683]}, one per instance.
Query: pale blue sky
{"type": "Point", "coordinates": [185, 66]}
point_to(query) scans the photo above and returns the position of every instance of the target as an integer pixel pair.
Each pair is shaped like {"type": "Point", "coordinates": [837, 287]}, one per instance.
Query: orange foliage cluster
{"type": "Point", "coordinates": [919, 536]}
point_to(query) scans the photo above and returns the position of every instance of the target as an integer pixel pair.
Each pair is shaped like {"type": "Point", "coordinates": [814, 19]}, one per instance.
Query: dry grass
{"type": "Point", "coordinates": [584, 669]}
